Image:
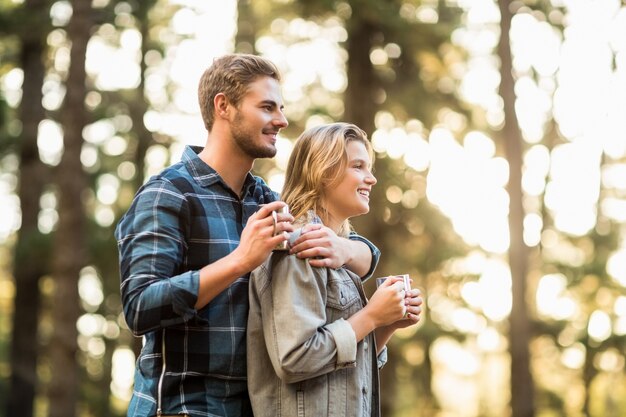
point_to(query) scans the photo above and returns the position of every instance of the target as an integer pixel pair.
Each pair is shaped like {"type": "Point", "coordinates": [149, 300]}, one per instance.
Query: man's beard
{"type": "Point", "coordinates": [244, 138]}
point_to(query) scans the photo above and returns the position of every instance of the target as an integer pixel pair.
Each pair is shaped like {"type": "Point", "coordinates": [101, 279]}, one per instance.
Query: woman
{"type": "Point", "coordinates": [314, 343]}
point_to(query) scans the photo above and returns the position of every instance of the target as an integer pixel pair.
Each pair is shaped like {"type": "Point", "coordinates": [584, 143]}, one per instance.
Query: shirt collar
{"type": "Point", "coordinates": [204, 174]}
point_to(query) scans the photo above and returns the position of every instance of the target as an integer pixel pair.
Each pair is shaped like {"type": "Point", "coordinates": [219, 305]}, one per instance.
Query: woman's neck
{"type": "Point", "coordinates": [331, 221]}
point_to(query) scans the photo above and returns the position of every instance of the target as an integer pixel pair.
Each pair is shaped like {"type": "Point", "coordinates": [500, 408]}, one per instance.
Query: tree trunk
{"type": "Point", "coordinates": [360, 107]}
{"type": "Point", "coordinates": [138, 109]}
{"type": "Point", "coordinates": [588, 374]}
{"type": "Point", "coordinates": [522, 387]}
{"type": "Point", "coordinates": [245, 39]}
{"type": "Point", "coordinates": [70, 254]}
{"type": "Point", "coordinates": [31, 250]}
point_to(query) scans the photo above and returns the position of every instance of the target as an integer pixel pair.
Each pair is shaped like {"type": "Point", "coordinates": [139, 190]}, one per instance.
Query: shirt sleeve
{"type": "Point", "coordinates": [375, 254]}
{"type": "Point", "coordinates": [300, 342]}
{"type": "Point", "coordinates": [152, 246]}
{"type": "Point", "coordinates": [381, 359]}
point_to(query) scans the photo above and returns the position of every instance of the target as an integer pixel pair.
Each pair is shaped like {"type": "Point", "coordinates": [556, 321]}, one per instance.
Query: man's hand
{"type": "Point", "coordinates": [322, 247]}
{"type": "Point", "coordinates": [262, 233]}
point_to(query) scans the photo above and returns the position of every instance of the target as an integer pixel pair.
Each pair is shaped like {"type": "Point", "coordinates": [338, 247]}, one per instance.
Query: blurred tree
{"type": "Point", "coordinates": [245, 39]}
{"type": "Point", "coordinates": [134, 104]}
{"type": "Point", "coordinates": [522, 386]}
{"type": "Point", "coordinates": [70, 248]}
{"type": "Point", "coordinates": [30, 24]}
{"type": "Point", "coordinates": [588, 282]}
{"type": "Point", "coordinates": [425, 238]}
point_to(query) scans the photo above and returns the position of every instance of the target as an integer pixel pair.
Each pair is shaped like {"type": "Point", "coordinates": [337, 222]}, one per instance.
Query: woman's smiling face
{"type": "Point", "coordinates": [349, 197]}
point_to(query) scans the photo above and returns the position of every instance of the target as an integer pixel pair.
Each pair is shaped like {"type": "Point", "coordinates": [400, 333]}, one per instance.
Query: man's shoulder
{"type": "Point", "coordinates": [260, 182]}
{"type": "Point", "coordinates": [263, 189]}
{"type": "Point", "coordinates": [175, 177]}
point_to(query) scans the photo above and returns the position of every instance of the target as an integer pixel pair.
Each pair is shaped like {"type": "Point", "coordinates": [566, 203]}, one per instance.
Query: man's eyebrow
{"type": "Point", "coordinates": [271, 103]}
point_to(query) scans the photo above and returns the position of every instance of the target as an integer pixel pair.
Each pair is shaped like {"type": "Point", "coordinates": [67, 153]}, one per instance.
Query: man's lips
{"type": "Point", "coordinates": [272, 134]}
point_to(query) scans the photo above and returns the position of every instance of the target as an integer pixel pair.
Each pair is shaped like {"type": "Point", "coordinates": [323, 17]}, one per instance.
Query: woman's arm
{"type": "Point", "coordinates": [300, 343]}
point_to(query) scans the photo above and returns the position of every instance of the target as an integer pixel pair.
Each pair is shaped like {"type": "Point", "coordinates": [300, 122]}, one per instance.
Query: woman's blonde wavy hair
{"type": "Point", "coordinates": [317, 161]}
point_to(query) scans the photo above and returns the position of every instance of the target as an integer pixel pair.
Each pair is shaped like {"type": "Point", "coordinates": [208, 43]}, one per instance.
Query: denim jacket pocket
{"type": "Point", "coordinates": [341, 291]}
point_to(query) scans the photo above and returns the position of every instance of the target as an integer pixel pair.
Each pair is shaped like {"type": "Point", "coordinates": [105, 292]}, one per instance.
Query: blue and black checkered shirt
{"type": "Point", "coordinates": [192, 362]}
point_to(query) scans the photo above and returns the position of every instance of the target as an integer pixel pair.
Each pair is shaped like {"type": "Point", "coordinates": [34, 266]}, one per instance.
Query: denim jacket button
{"type": "Point", "coordinates": [343, 300]}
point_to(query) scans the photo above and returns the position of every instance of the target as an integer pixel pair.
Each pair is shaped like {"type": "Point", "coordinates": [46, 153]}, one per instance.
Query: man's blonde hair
{"type": "Point", "coordinates": [231, 75]}
{"type": "Point", "coordinates": [318, 160]}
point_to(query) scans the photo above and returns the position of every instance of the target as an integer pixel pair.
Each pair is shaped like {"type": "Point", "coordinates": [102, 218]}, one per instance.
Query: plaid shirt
{"type": "Point", "coordinates": [192, 362]}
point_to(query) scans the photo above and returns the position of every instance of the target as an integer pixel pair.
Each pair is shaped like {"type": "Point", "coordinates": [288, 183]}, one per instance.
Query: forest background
{"type": "Point", "coordinates": [500, 143]}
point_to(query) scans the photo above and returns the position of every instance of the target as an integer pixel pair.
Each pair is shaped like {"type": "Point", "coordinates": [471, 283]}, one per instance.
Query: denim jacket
{"type": "Point", "coordinates": [303, 358]}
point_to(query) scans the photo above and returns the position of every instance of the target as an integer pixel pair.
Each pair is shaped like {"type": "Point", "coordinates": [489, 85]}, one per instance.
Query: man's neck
{"type": "Point", "coordinates": [229, 162]}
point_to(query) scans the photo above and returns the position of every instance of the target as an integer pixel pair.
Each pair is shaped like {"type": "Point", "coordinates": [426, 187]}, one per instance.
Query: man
{"type": "Point", "coordinates": [190, 239]}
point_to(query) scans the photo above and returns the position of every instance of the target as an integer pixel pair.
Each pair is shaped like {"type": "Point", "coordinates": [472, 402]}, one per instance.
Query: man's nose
{"type": "Point", "coordinates": [280, 120]}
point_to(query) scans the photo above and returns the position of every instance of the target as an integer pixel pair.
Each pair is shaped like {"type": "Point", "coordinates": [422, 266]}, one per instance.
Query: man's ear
{"type": "Point", "coordinates": [221, 105]}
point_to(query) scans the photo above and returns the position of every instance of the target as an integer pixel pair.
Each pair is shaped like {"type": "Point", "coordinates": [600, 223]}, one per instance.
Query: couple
{"type": "Point", "coordinates": [194, 233]}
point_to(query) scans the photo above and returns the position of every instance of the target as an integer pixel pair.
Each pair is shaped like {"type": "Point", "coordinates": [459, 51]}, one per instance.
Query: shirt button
{"type": "Point", "coordinates": [365, 345]}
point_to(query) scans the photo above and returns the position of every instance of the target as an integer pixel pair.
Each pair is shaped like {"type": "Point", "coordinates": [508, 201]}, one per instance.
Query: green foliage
{"type": "Point", "coordinates": [20, 20]}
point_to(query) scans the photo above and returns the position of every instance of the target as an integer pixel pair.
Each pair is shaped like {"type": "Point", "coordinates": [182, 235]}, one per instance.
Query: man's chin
{"type": "Point", "coordinates": [269, 152]}
{"type": "Point", "coordinates": [264, 153]}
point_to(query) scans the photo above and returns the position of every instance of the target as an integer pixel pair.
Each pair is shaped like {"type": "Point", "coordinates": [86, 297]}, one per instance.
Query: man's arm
{"type": "Point", "coordinates": [155, 292]}
{"type": "Point", "coordinates": [256, 244]}
{"type": "Point", "coordinates": [325, 249]}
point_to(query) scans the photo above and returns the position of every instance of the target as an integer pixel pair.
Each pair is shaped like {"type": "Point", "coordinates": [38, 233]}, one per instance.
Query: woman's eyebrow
{"type": "Point", "coordinates": [362, 161]}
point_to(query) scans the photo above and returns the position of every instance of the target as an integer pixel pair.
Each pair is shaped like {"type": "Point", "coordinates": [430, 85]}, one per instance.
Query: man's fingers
{"type": "Point", "coordinates": [283, 227]}
{"type": "Point", "coordinates": [311, 227]}
{"type": "Point", "coordinates": [300, 246]}
{"type": "Point", "coordinates": [310, 253]}
{"type": "Point", "coordinates": [279, 238]}
{"type": "Point", "coordinates": [318, 263]}
{"type": "Point", "coordinates": [309, 239]}
{"type": "Point", "coordinates": [266, 209]}
{"type": "Point", "coordinates": [274, 221]}
{"type": "Point", "coordinates": [283, 217]}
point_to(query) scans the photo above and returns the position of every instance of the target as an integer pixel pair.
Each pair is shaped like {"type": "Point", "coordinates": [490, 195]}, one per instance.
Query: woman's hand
{"type": "Point", "coordinates": [388, 303]}
{"type": "Point", "coordinates": [413, 301]}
